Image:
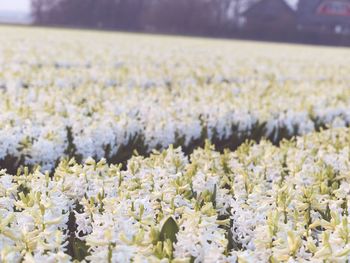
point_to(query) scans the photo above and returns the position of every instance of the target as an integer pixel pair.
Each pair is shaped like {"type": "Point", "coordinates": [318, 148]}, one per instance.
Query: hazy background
{"type": "Point", "coordinates": [15, 11]}
{"type": "Point", "coordinates": [301, 21]}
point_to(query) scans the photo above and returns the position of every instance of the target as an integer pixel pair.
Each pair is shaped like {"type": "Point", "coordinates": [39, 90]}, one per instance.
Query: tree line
{"type": "Point", "coordinates": [218, 18]}
{"type": "Point", "coordinates": [207, 17]}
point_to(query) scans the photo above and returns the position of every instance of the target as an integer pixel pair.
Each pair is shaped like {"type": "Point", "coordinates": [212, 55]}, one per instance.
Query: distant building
{"type": "Point", "coordinates": [269, 17]}
{"type": "Point", "coordinates": [329, 16]}
{"type": "Point", "coordinates": [317, 16]}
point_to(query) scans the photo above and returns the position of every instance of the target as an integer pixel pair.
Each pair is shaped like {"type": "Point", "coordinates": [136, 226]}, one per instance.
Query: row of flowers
{"type": "Point", "coordinates": [261, 203]}
{"type": "Point", "coordinates": [106, 95]}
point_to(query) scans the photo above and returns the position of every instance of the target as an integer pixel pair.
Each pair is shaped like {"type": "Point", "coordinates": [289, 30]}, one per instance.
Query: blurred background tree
{"type": "Point", "coordinates": [273, 20]}
{"type": "Point", "coordinates": [180, 16]}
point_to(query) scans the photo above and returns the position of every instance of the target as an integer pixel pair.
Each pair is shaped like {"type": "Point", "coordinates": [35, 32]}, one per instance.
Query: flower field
{"type": "Point", "coordinates": [134, 148]}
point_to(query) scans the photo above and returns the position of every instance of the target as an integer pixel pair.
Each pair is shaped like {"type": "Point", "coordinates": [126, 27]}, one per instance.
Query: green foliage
{"type": "Point", "coordinates": [169, 230]}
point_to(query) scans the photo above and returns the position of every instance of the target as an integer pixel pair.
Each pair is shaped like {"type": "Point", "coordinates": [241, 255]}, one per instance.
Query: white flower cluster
{"type": "Point", "coordinates": [261, 203]}
{"type": "Point", "coordinates": [84, 94]}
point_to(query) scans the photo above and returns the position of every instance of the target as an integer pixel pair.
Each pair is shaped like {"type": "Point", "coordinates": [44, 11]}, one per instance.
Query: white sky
{"type": "Point", "coordinates": [291, 2]}
{"type": "Point", "coordinates": [15, 5]}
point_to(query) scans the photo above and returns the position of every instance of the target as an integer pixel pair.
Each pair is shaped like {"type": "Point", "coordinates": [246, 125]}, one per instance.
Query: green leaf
{"type": "Point", "coordinates": [80, 249]}
{"type": "Point", "coordinates": [169, 230]}
{"type": "Point", "coordinates": [213, 197]}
